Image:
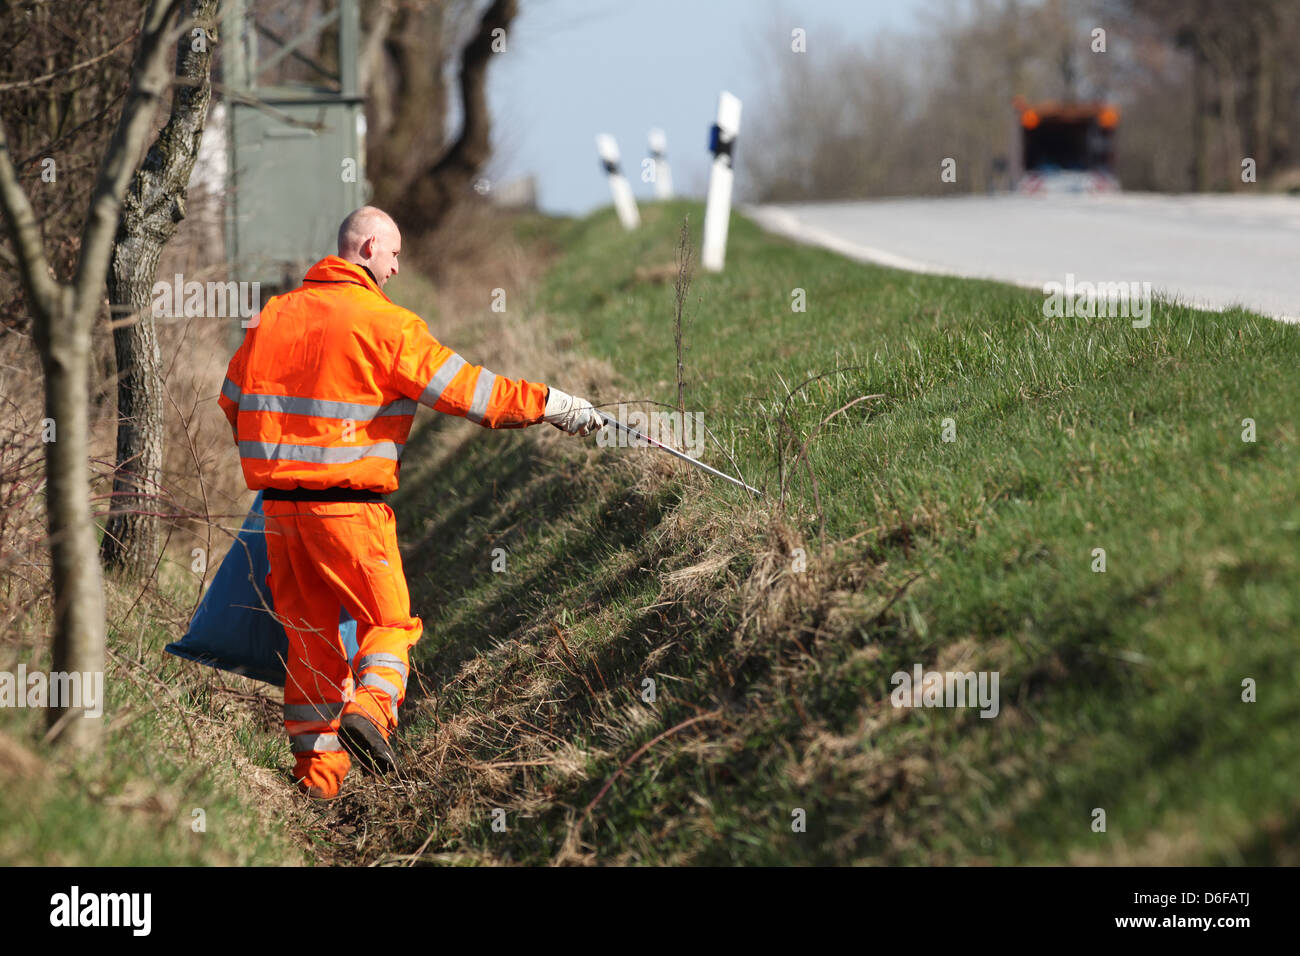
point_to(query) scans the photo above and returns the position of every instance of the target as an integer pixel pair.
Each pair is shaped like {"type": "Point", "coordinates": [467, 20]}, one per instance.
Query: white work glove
{"type": "Point", "coordinates": [572, 415]}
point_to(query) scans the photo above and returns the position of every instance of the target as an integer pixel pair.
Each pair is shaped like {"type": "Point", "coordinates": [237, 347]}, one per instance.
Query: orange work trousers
{"type": "Point", "coordinates": [325, 556]}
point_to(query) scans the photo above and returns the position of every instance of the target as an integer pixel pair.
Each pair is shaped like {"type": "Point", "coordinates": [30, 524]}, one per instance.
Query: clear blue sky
{"type": "Point", "coordinates": [575, 68]}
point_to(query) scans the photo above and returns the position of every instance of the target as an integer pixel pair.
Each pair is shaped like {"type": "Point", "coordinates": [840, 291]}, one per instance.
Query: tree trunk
{"type": "Point", "coordinates": [408, 115]}
{"type": "Point", "coordinates": [151, 209]}
{"type": "Point", "coordinates": [132, 538]}
{"type": "Point", "coordinates": [63, 316]}
{"type": "Point", "coordinates": [64, 343]}
{"type": "Point", "coordinates": [427, 194]}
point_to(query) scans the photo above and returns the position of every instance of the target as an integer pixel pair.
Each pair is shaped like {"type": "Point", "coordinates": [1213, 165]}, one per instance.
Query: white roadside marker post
{"type": "Point", "coordinates": [624, 201]}
{"type": "Point", "coordinates": [717, 212]}
{"type": "Point", "coordinates": [659, 153]}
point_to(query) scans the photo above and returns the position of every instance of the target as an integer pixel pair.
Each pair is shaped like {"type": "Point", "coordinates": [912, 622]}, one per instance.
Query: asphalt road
{"type": "Point", "coordinates": [1211, 251]}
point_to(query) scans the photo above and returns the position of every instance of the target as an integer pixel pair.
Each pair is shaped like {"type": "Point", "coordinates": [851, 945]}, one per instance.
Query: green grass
{"type": "Point", "coordinates": [174, 744]}
{"type": "Point", "coordinates": [1119, 690]}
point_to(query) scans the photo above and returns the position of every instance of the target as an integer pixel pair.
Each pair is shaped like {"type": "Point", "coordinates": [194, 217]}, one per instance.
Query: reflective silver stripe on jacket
{"type": "Point", "coordinates": [322, 712]}
{"type": "Point", "coordinates": [383, 660]}
{"type": "Point", "coordinates": [482, 395]}
{"type": "Point", "coordinates": [231, 391]}
{"type": "Point", "coordinates": [324, 408]}
{"type": "Point", "coordinates": [320, 743]}
{"type": "Point", "coordinates": [441, 379]}
{"type": "Point", "coordinates": [320, 454]}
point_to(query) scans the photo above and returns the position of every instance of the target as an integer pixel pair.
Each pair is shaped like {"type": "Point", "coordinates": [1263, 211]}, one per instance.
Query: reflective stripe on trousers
{"type": "Point", "coordinates": [382, 683]}
{"type": "Point", "coordinates": [315, 743]}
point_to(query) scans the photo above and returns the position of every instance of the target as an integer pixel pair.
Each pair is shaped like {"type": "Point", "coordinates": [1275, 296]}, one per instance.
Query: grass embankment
{"type": "Point", "coordinates": [1119, 690]}
{"type": "Point", "coordinates": [190, 770]}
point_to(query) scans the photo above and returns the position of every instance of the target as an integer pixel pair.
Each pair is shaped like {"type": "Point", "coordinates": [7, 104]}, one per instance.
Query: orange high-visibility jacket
{"type": "Point", "coordinates": [323, 389]}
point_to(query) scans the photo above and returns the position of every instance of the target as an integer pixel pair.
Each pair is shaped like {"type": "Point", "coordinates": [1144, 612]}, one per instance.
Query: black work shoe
{"type": "Point", "coordinates": [366, 744]}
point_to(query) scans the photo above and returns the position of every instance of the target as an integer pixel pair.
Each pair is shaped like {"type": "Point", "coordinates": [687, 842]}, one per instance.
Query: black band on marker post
{"type": "Point", "coordinates": [719, 146]}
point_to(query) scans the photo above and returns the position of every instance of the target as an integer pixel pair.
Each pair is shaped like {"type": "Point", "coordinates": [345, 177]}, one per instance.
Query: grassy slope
{"type": "Point", "coordinates": [175, 742]}
{"type": "Point", "coordinates": [1118, 690]}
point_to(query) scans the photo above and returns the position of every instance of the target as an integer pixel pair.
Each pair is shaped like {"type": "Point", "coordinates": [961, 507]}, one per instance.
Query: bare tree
{"type": "Point", "coordinates": [62, 316]}
{"type": "Point", "coordinates": [64, 71]}
{"type": "Point", "coordinates": [1238, 81]}
{"type": "Point", "coordinates": [415, 173]}
{"type": "Point", "coordinates": [153, 206]}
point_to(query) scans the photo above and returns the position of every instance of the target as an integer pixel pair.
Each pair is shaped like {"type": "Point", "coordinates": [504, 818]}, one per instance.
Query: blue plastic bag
{"type": "Point", "coordinates": [232, 630]}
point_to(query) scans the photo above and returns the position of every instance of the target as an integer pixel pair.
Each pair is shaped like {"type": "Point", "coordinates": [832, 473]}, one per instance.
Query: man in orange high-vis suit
{"type": "Point", "coordinates": [321, 395]}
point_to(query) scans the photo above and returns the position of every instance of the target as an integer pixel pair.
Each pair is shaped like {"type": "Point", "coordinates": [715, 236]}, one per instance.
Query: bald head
{"type": "Point", "coordinates": [370, 238]}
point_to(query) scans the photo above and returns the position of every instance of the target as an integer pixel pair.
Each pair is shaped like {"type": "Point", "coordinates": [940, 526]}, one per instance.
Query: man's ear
{"type": "Point", "coordinates": [367, 247]}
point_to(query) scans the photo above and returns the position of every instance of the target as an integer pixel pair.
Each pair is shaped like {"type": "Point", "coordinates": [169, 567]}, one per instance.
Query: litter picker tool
{"type": "Point", "coordinates": [633, 433]}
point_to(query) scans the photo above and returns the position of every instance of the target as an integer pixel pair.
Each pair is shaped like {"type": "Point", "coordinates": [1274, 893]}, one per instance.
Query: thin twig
{"type": "Point", "coordinates": [781, 424]}
{"type": "Point", "coordinates": [681, 287]}
{"type": "Point", "coordinates": [203, 489]}
{"type": "Point", "coordinates": [804, 450]}
{"type": "Point", "coordinates": [879, 615]}
{"type": "Point", "coordinates": [67, 71]}
{"type": "Point", "coordinates": [639, 751]}
{"type": "Point", "coordinates": [563, 643]}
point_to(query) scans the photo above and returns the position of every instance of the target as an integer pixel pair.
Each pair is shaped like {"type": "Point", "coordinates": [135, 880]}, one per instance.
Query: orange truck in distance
{"type": "Point", "coordinates": [1065, 147]}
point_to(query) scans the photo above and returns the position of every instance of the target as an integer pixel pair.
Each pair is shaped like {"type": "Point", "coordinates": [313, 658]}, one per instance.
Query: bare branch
{"type": "Point", "coordinates": [37, 81]}
{"type": "Point", "coordinates": [372, 45]}
{"type": "Point", "coordinates": [28, 241]}
{"type": "Point", "coordinates": [149, 81]}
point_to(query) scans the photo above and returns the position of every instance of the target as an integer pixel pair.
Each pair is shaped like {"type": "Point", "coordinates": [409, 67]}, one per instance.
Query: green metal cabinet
{"type": "Point", "coordinates": [296, 153]}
